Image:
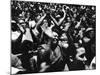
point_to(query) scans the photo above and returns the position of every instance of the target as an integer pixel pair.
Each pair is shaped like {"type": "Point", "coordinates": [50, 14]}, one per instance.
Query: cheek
{"type": "Point", "coordinates": [86, 39]}
{"type": "Point", "coordinates": [65, 45]}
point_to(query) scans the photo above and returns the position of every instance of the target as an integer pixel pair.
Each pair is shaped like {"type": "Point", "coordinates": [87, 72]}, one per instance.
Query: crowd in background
{"type": "Point", "coordinates": [49, 37]}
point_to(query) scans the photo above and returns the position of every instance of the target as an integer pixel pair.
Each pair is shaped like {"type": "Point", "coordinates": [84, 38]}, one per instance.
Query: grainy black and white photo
{"type": "Point", "coordinates": [52, 37]}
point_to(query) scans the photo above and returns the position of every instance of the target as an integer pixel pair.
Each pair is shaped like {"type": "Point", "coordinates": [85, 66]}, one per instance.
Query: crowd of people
{"type": "Point", "coordinates": [51, 37]}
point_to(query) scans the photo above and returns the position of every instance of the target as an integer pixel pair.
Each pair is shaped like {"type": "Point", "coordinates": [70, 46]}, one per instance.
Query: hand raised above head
{"type": "Point", "coordinates": [64, 10]}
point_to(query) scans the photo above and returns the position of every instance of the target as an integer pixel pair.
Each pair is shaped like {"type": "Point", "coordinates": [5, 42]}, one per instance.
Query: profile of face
{"type": "Point", "coordinates": [86, 39]}
{"type": "Point", "coordinates": [55, 35]}
{"type": "Point", "coordinates": [64, 41]}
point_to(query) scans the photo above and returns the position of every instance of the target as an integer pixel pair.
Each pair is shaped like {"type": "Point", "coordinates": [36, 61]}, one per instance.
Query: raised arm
{"type": "Point", "coordinates": [54, 20]}
{"type": "Point", "coordinates": [40, 20]}
{"type": "Point", "coordinates": [35, 29]}
{"type": "Point", "coordinates": [61, 20]}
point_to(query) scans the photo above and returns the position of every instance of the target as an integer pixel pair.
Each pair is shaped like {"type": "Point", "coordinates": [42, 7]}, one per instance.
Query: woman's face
{"type": "Point", "coordinates": [64, 41]}
{"type": "Point", "coordinates": [65, 44]}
